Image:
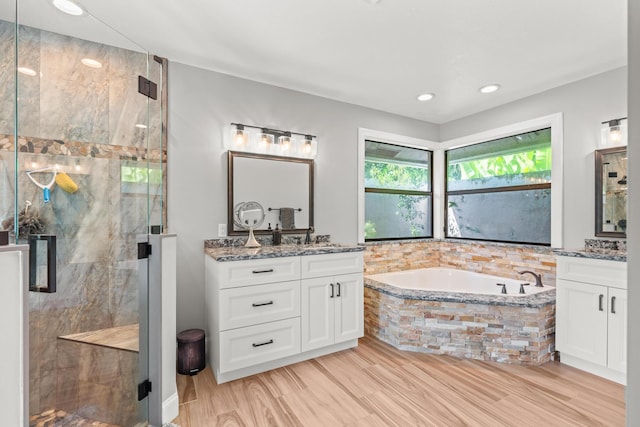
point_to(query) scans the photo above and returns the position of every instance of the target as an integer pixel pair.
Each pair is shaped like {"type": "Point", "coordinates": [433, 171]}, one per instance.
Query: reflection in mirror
{"type": "Point", "coordinates": [283, 186]}
{"type": "Point", "coordinates": [611, 192]}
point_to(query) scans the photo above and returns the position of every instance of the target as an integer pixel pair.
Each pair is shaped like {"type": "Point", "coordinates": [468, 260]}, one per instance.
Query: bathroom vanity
{"type": "Point", "coordinates": [591, 317]}
{"type": "Point", "coordinates": [272, 306]}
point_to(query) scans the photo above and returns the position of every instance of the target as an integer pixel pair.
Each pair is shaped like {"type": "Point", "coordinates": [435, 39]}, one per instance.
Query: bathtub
{"type": "Point", "coordinates": [462, 314]}
{"type": "Point", "coordinates": [456, 281]}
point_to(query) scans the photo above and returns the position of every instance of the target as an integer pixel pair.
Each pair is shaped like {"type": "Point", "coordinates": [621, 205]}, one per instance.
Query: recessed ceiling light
{"type": "Point", "coordinates": [27, 71]}
{"type": "Point", "coordinates": [69, 7]}
{"type": "Point", "coordinates": [490, 88]}
{"type": "Point", "coordinates": [141, 126]}
{"type": "Point", "coordinates": [426, 96]}
{"type": "Point", "coordinates": [91, 63]}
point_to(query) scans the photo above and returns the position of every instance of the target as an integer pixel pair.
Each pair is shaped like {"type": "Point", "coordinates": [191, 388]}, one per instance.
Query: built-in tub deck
{"type": "Point", "coordinates": [502, 328]}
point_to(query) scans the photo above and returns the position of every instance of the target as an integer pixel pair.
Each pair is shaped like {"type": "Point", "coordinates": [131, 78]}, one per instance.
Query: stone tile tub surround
{"type": "Point", "coordinates": [496, 259]}
{"type": "Point", "coordinates": [498, 328]}
{"type": "Point", "coordinates": [520, 333]}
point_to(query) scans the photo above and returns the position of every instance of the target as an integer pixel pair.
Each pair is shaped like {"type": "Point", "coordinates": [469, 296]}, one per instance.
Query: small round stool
{"type": "Point", "coordinates": [191, 358]}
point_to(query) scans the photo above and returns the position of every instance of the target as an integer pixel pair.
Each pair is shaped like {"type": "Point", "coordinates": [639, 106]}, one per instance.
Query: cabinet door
{"type": "Point", "coordinates": [349, 307]}
{"type": "Point", "coordinates": [617, 355]}
{"type": "Point", "coordinates": [317, 312]}
{"type": "Point", "coordinates": [581, 321]}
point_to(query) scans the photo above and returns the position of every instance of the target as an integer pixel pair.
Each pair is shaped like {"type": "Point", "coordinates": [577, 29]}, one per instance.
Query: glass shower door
{"type": "Point", "coordinates": [88, 168]}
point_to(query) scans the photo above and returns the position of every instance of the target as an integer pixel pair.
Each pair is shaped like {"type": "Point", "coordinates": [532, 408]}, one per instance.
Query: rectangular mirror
{"type": "Point", "coordinates": [282, 185]}
{"type": "Point", "coordinates": [611, 192]}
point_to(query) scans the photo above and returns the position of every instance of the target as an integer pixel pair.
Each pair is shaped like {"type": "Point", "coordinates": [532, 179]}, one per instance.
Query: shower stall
{"type": "Point", "coordinates": [82, 172]}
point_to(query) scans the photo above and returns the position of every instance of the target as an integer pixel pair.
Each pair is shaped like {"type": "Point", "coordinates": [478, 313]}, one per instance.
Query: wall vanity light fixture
{"type": "Point", "coordinates": [613, 133]}
{"type": "Point", "coordinates": [261, 140]}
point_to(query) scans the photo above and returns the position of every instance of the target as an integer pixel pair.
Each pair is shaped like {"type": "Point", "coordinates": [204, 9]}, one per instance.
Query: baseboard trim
{"type": "Point", "coordinates": [170, 408]}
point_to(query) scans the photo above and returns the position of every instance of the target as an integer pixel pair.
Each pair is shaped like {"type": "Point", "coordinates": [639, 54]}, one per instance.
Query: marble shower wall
{"type": "Point", "coordinates": [82, 120]}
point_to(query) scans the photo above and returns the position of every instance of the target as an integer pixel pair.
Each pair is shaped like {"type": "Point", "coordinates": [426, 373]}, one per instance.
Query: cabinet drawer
{"type": "Point", "coordinates": [331, 264]}
{"type": "Point", "coordinates": [594, 271]}
{"type": "Point", "coordinates": [250, 305]}
{"type": "Point", "coordinates": [243, 347]}
{"type": "Point", "coordinates": [258, 271]}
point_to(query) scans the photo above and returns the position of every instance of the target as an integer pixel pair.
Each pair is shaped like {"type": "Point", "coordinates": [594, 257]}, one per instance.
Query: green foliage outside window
{"type": "Point", "coordinates": [535, 160]}
{"type": "Point", "coordinates": [386, 175]}
{"type": "Point", "coordinates": [392, 175]}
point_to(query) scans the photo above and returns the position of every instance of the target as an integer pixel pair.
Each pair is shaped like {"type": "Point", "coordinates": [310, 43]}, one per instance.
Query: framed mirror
{"type": "Point", "coordinates": [611, 192]}
{"type": "Point", "coordinates": [282, 185]}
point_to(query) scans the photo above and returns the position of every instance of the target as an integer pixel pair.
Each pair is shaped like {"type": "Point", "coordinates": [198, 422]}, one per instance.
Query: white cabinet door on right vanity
{"type": "Point", "coordinates": [349, 308]}
{"type": "Point", "coordinates": [581, 318]}
{"type": "Point", "coordinates": [317, 312]}
{"type": "Point", "coordinates": [617, 358]}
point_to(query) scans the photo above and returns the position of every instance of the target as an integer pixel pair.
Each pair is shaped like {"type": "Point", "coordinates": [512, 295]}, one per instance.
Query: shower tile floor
{"type": "Point", "coordinates": [57, 418]}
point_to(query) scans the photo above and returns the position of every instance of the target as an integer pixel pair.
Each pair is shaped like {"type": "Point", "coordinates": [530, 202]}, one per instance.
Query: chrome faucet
{"type": "Point", "coordinates": [537, 276]}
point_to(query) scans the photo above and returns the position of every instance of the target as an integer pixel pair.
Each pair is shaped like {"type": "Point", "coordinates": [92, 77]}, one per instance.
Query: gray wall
{"type": "Point", "coordinates": [201, 104]}
{"type": "Point", "coordinates": [584, 104]}
{"type": "Point", "coordinates": [633, 374]}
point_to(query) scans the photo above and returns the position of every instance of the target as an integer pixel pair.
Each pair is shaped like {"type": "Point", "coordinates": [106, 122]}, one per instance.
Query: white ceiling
{"type": "Point", "coordinates": [383, 55]}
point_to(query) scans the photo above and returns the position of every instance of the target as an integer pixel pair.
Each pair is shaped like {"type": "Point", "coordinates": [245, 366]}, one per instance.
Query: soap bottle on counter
{"type": "Point", "coordinates": [277, 236]}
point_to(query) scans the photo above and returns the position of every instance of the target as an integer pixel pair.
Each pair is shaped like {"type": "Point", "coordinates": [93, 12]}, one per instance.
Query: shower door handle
{"type": "Point", "coordinates": [50, 240]}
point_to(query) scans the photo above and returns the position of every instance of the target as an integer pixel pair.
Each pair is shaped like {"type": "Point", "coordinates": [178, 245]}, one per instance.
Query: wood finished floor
{"type": "Point", "coordinates": [377, 385]}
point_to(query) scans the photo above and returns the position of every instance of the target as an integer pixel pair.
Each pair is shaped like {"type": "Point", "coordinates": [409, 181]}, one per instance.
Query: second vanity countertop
{"type": "Point", "coordinates": [236, 253]}
{"type": "Point", "coordinates": [605, 254]}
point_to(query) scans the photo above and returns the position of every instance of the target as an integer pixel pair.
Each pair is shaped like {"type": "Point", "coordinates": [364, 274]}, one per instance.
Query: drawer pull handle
{"type": "Point", "coordinates": [270, 270]}
{"type": "Point", "coordinates": [260, 344]}
{"type": "Point", "coordinates": [331, 284]}
{"type": "Point", "coordinates": [338, 285]}
{"type": "Point", "coordinates": [260, 304]}
{"type": "Point", "coordinates": [613, 305]}
{"type": "Point", "coordinates": [600, 298]}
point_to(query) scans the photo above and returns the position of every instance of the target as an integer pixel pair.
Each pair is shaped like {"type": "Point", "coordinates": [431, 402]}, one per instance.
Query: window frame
{"type": "Point", "coordinates": [553, 121]}
{"type": "Point", "coordinates": [404, 192]}
{"type": "Point", "coordinates": [402, 141]}
{"type": "Point", "coordinates": [489, 190]}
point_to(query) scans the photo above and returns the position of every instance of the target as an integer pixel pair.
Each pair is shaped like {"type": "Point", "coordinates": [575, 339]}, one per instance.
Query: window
{"type": "Point", "coordinates": [398, 192]}
{"type": "Point", "coordinates": [500, 190]}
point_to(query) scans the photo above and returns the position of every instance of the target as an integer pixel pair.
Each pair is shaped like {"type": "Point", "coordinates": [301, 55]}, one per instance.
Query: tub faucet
{"type": "Point", "coordinates": [537, 276]}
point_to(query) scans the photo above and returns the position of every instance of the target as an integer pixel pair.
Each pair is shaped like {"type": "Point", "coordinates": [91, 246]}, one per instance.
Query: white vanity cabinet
{"type": "Point", "coordinates": [332, 305]}
{"type": "Point", "coordinates": [260, 310]}
{"type": "Point", "coordinates": [591, 315]}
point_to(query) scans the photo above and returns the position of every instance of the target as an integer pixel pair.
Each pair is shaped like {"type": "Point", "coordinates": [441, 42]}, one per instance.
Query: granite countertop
{"type": "Point", "coordinates": [606, 254]}
{"type": "Point", "coordinates": [236, 253]}
{"type": "Point", "coordinates": [532, 301]}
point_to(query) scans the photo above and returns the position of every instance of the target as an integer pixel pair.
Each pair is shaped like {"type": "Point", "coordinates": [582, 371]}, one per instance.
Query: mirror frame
{"type": "Point", "coordinates": [598, 154]}
{"type": "Point", "coordinates": [231, 155]}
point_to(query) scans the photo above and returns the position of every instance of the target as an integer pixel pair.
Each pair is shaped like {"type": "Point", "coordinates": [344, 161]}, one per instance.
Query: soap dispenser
{"type": "Point", "coordinates": [277, 236]}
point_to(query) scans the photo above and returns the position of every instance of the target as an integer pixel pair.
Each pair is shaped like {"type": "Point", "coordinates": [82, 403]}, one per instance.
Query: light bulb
{"type": "Point", "coordinates": [91, 63]}
{"type": "Point", "coordinates": [615, 135]}
{"type": "Point", "coordinates": [27, 71]}
{"type": "Point", "coordinates": [240, 137]}
{"type": "Point", "coordinates": [490, 88]}
{"type": "Point", "coordinates": [68, 7]}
